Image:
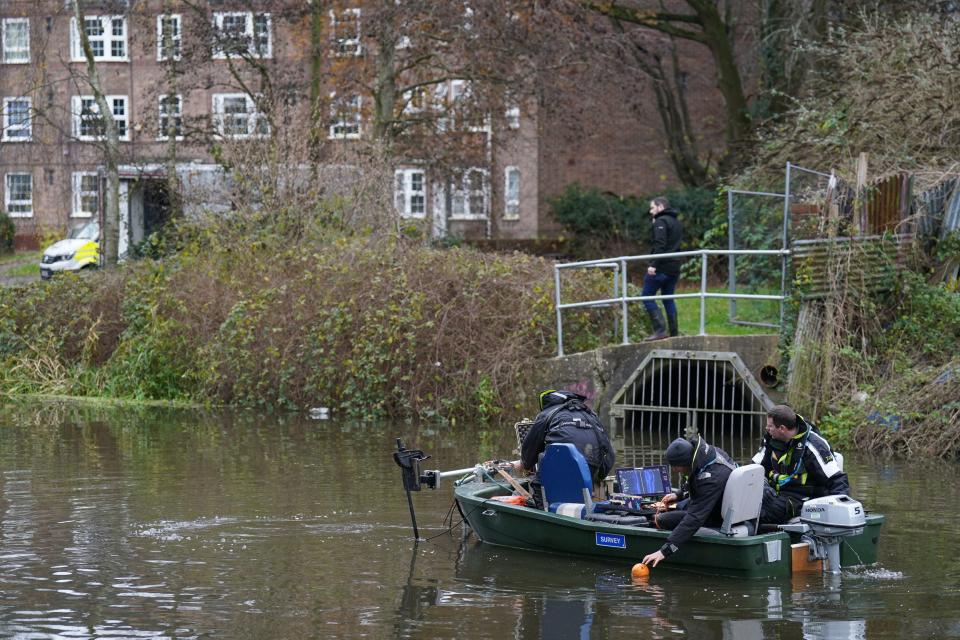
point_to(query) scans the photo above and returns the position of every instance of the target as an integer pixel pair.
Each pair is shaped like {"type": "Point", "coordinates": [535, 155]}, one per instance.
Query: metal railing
{"type": "Point", "coordinates": [619, 266]}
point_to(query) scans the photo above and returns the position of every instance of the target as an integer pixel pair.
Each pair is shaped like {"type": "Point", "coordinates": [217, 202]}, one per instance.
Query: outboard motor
{"type": "Point", "coordinates": [824, 522]}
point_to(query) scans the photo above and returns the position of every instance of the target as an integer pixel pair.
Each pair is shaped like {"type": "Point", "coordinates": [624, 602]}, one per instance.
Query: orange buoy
{"type": "Point", "coordinates": [640, 571]}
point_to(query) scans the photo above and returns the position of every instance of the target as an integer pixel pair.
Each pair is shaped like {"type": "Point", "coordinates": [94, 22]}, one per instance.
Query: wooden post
{"type": "Point", "coordinates": [860, 199]}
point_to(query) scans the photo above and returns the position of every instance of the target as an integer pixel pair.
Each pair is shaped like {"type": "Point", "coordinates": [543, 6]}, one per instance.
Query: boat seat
{"type": "Point", "coordinates": [742, 498]}
{"type": "Point", "coordinates": [565, 477]}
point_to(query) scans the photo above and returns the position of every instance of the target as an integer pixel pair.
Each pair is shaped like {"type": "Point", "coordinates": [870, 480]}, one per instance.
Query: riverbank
{"type": "Point", "coordinates": [371, 327]}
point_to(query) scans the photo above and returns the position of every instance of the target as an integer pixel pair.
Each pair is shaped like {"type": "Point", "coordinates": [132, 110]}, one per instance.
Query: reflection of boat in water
{"type": "Point", "coordinates": [589, 599]}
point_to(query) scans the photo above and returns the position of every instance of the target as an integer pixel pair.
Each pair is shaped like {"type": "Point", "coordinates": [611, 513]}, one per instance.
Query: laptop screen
{"type": "Point", "coordinates": [645, 481]}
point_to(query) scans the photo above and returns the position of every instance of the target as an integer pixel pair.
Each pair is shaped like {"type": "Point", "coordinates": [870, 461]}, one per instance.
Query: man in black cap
{"type": "Point", "coordinates": [708, 469]}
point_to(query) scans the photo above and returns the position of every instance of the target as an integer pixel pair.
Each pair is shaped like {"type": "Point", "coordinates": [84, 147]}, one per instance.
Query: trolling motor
{"type": "Point", "coordinates": [409, 462]}
{"type": "Point", "coordinates": [824, 523]}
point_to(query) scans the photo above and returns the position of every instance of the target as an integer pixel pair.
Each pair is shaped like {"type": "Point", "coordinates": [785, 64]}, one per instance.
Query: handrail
{"type": "Point", "coordinates": [621, 297]}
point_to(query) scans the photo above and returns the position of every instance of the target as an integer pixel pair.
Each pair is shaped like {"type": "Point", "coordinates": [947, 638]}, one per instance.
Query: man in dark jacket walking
{"type": "Point", "coordinates": [663, 273]}
{"type": "Point", "coordinates": [709, 469]}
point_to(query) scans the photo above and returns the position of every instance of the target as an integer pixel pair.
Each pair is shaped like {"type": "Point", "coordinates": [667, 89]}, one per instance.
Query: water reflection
{"type": "Point", "coordinates": [538, 597]}
{"type": "Point", "coordinates": [152, 523]}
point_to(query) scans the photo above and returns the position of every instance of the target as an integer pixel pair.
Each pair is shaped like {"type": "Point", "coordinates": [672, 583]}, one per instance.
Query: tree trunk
{"type": "Point", "coordinates": [109, 234]}
{"type": "Point", "coordinates": [318, 47]}
{"type": "Point", "coordinates": [385, 91]}
{"type": "Point", "coordinates": [729, 82]}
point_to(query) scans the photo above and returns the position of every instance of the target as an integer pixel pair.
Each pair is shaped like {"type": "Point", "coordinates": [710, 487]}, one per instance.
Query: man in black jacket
{"type": "Point", "coordinates": [799, 464]}
{"type": "Point", "coordinates": [565, 417]}
{"type": "Point", "coordinates": [709, 469]}
{"type": "Point", "coordinates": [663, 273]}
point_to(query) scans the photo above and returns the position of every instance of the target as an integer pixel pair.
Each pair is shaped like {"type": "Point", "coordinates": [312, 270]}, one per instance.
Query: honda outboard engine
{"type": "Point", "coordinates": [824, 522]}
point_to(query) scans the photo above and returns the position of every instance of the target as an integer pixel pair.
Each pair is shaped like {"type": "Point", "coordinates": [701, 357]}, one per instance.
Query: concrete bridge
{"type": "Point", "coordinates": [651, 392]}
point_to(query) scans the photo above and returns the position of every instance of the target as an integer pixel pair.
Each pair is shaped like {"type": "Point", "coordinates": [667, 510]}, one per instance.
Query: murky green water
{"type": "Point", "coordinates": [122, 524]}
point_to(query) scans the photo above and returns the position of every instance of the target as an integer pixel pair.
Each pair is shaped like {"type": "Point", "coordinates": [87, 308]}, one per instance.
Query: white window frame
{"type": "Point", "coordinates": [8, 201]}
{"type": "Point", "coordinates": [511, 202]}
{"type": "Point", "coordinates": [346, 47]}
{"type": "Point", "coordinates": [161, 116]}
{"type": "Point", "coordinates": [78, 193]}
{"type": "Point", "coordinates": [404, 193]}
{"type": "Point", "coordinates": [10, 52]}
{"type": "Point", "coordinates": [253, 117]}
{"type": "Point", "coordinates": [463, 191]}
{"type": "Point", "coordinates": [512, 116]}
{"type": "Point", "coordinates": [249, 33]}
{"type": "Point", "coordinates": [176, 38]}
{"type": "Point", "coordinates": [342, 120]}
{"type": "Point", "coordinates": [108, 38]}
{"type": "Point", "coordinates": [124, 119]}
{"type": "Point", "coordinates": [8, 128]}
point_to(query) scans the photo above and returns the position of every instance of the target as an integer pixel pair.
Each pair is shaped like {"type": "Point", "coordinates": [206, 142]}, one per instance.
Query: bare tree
{"type": "Point", "coordinates": [111, 141]}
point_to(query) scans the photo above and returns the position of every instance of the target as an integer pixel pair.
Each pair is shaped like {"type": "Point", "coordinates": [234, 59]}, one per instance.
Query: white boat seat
{"type": "Point", "coordinates": [742, 499]}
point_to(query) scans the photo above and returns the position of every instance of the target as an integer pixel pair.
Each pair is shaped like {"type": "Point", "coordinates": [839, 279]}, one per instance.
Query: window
{"type": "Point", "coordinates": [454, 103]}
{"type": "Point", "coordinates": [469, 196]}
{"type": "Point", "coordinates": [169, 37]}
{"type": "Point", "coordinates": [346, 32]}
{"type": "Point", "coordinates": [17, 122]}
{"type": "Point", "coordinates": [16, 40]}
{"type": "Point", "coordinates": [87, 124]}
{"type": "Point", "coordinates": [345, 117]}
{"type": "Point", "coordinates": [410, 194]}
{"type": "Point", "coordinates": [107, 36]}
{"type": "Point", "coordinates": [86, 195]}
{"type": "Point", "coordinates": [235, 115]}
{"type": "Point", "coordinates": [19, 195]}
{"type": "Point", "coordinates": [242, 34]}
{"type": "Point", "coordinates": [171, 117]}
{"type": "Point", "coordinates": [511, 193]}
{"type": "Point", "coordinates": [513, 117]}
{"type": "Point", "coordinates": [414, 101]}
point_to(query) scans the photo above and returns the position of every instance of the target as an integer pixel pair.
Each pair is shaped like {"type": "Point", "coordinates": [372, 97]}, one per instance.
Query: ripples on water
{"type": "Point", "coordinates": [129, 524]}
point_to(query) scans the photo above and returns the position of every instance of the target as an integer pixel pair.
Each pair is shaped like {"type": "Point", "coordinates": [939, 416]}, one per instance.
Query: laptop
{"type": "Point", "coordinates": [644, 482]}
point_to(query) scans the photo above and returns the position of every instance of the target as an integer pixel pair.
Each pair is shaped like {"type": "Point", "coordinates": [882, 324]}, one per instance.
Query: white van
{"type": "Point", "coordinates": [81, 249]}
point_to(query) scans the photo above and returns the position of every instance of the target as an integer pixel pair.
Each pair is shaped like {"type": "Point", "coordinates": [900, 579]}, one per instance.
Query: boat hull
{"type": "Point", "coordinates": [766, 555]}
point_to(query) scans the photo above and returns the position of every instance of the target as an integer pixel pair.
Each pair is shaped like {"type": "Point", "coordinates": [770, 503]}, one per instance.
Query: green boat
{"type": "Point", "coordinates": [767, 555]}
{"type": "Point", "coordinates": [833, 532]}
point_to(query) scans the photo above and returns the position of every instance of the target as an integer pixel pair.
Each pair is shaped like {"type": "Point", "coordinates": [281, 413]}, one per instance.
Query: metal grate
{"type": "Point", "coordinates": [677, 393]}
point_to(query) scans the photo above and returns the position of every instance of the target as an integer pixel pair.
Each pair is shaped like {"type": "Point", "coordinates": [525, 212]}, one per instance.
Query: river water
{"type": "Point", "coordinates": [120, 523]}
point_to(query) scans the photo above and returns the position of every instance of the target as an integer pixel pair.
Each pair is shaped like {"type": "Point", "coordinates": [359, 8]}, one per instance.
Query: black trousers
{"type": "Point", "coordinates": [779, 508]}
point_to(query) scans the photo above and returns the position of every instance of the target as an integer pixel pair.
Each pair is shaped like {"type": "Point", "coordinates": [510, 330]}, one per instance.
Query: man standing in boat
{"type": "Point", "coordinates": [565, 418]}
{"type": "Point", "coordinates": [799, 464]}
{"type": "Point", "coordinates": [708, 469]}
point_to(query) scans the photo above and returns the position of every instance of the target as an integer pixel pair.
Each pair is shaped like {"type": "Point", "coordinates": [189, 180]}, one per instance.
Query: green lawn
{"type": "Point", "coordinates": [25, 263]}
{"type": "Point", "coordinates": [718, 313]}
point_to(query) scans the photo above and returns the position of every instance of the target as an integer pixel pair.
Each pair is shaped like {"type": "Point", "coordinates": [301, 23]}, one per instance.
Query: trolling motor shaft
{"type": "Point", "coordinates": [413, 479]}
{"type": "Point", "coordinates": [409, 461]}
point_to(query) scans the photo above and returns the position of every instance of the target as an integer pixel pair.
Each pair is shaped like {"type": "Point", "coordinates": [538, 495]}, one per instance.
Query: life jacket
{"type": "Point", "coordinates": [788, 468]}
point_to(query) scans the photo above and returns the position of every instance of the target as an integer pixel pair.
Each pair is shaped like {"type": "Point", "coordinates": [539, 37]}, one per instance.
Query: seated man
{"type": "Point", "coordinates": [799, 464]}
{"type": "Point", "coordinates": [565, 417]}
{"type": "Point", "coordinates": [709, 469]}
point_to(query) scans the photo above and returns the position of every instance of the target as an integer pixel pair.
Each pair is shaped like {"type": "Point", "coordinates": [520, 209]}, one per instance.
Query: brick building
{"type": "Point", "coordinates": [51, 154]}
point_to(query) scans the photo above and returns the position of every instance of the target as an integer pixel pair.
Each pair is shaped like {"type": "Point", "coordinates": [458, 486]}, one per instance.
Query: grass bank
{"type": "Point", "coordinates": [371, 327]}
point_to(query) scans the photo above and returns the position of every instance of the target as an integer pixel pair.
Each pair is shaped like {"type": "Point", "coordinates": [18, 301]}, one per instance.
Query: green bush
{"type": "Point", "coordinates": [601, 221]}
{"type": "Point", "coordinates": [372, 327]}
{"type": "Point", "coordinates": [7, 232]}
